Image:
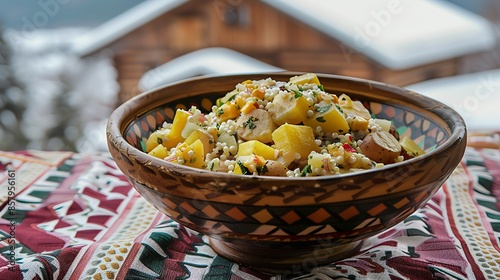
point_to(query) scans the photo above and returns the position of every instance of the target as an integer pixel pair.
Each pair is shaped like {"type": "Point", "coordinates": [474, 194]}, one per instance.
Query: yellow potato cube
{"type": "Point", "coordinates": [359, 123]}
{"type": "Point", "coordinates": [237, 170]}
{"type": "Point", "coordinates": [159, 151]}
{"type": "Point", "coordinates": [206, 138]}
{"type": "Point", "coordinates": [227, 111]}
{"type": "Point", "coordinates": [156, 138]}
{"type": "Point", "coordinates": [411, 148]}
{"type": "Point", "coordinates": [198, 158]}
{"type": "Point", "coordinates": [259, 94]}
{"type": "Point", "coordinates": [316, 160]}
{"type": "Point", "coordinates": [294, 141]}
{"type": "Point", "coordinates": [249, 107]}
{"type": "Point", "coordinates": [308, 78]}
{"type": "Point", "coordinates": [329, 118]}
{"type": "Point", "coordinates": [178, 124]}
{"type": "Point", "coordinates": [353, 108]}
{"type": "Point", "coordinates": [191, 155]}
{"type": "Point", "coordinates": [255, 147]}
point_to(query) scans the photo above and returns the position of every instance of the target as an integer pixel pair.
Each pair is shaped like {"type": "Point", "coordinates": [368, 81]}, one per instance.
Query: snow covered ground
{"type": "Point", "coordinates": [68, 98]}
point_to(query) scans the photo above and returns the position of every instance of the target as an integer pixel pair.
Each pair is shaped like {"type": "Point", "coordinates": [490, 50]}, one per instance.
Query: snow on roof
{"type": "Point", "coordinates": [203, 62]}
{"type": "Point", "coordinates": [121, 25]}
{"type": "Point", "coordinates": [474, 96]}
{"type": "Point", "coordinates": [398, 34]}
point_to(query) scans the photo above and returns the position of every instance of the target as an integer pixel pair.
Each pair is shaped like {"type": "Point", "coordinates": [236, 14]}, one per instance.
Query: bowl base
{"type": "Point", "coordinates": [284, 258]}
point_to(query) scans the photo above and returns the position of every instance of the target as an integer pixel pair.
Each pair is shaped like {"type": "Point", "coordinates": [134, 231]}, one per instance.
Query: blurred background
{"type": "Point", "coordinates": [66, 64]}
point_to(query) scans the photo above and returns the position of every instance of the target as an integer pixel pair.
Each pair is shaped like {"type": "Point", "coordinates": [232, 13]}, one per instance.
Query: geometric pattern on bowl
{"type": "Point", "coordinates": [245, 212]}
{"type": "Point", "coordinates": [285, 223]}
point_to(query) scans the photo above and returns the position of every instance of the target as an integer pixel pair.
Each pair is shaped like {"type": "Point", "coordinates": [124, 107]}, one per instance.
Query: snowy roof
{"type": "Point", "coordinates": [121, 25]}
{"type": "Point", "coordinates": [203, 62]}
{"type": "Point", "coordinates": [398, 34]}
{"type": "Point", "coordinates": [474, 96]}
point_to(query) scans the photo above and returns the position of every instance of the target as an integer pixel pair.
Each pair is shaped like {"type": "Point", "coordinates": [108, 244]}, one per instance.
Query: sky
{"type": "Point", "coordinates": [31, 14]}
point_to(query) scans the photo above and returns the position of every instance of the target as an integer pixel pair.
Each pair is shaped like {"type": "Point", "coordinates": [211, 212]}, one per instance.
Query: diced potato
{"type": "Point", "coordinates": [294, 140]}
{"type": "Point", "coordinates": [359, 123]}
{"type": "Point", "coordinates": [159, 151]}
{"type": "Point", "coordinates": [156, 138]}
{"type": "Point", "coordinates": [353, 108]}
{"type": "Point", "coordinates": [191, 155]}
{"type": "Point", "coordinates": [308, 78]}
{"type": "Point", "coordinates": [198, 159]}
{"type": "Point", "coordinates": [255, 147]}
{"type": "Point", "coordinates": [385, 125]}
{"type": "Point", "coordinates": [411, 148]}
{"type": "Point", "coordinates": [249, 107]}
{"type": "Point", "coordinates": [259, 94]}
{"type": "Point", "coordinates": [288, 108]}
{"type": "Point", "coordinates": [237, 169]}
{"type": "Point", "coordinates": [206, 138]}
{"type": "Point", "coordinates": [227, 111]}
{"type": "Point", "coordinates": [256, 125]}
{"type": "Point", "coordinates": [240, 102]}
{"type": "Point", "coordinates": [178, 124]}
{"type": "Point", "coordinates": [316, 160]}
{"type": "Point", "coordinates": [329, 118]}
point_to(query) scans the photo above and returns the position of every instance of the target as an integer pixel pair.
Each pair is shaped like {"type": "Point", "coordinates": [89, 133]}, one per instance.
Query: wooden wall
{"type": "Point", "coordinates": [253, 28]}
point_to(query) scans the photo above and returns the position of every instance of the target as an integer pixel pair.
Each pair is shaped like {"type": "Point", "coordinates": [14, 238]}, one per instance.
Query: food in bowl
{"type": "Point", "coordinates": [278, 223]}
{"type": "Point", "coordinates": [288, 128]}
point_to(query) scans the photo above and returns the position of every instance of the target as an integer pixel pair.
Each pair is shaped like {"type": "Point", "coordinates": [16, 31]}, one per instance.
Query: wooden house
{"type": "Point", "coordinates": [371, 41]}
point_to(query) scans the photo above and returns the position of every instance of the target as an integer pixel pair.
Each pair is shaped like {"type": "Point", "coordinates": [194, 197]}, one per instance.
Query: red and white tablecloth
{"type": "Point", "coordinates": [66, 215]}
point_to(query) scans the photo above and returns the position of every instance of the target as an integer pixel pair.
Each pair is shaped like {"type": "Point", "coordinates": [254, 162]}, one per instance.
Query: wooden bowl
{"type": "Point", "coordinates": [277, 222]}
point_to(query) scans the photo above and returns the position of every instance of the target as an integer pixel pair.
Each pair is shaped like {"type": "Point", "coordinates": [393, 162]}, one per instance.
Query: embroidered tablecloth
{"type": "Point", "coordinates": [68, 215]}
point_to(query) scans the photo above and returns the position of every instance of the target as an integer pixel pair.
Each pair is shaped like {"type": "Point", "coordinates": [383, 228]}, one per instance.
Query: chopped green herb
{"type": "Point", "coordinates": [340, 108]}
{"type": "Point", "coordinates": [321, 87]}
{"type": "Point", "coordinates": [297, 94]}
{"type": "Point", "coordinates": [232, 97]}
{"type": "Point", "coordinates": [321, 119]}
{"type": "Point", "coordinates": [220, 111]}
{"type": "Point", "coordinates": [243, 168]}
{"type": "Point", "coordinates": [323, 109]}
{"type": "Point", "coordinates": [250, 123]}
{"type": "Point", "coordinates": [262, 169]}
{"type": "Point", "coordinates": [307, 169]}
{"type": "Point", "coordinates": [159, 141]}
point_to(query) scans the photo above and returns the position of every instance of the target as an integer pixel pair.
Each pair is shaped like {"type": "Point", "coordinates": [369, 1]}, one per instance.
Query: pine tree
{"type": "Point", "coordinates": [12, 102]}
